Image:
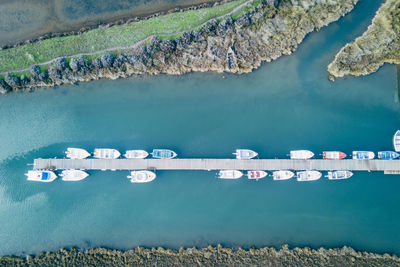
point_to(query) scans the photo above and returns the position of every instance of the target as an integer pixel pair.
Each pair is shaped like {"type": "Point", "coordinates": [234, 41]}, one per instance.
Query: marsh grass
{"type": "Point", "coordinates": [120, 36]}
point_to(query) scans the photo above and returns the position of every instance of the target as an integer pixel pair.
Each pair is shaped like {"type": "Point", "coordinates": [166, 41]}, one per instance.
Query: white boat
{"type": "Point", "coordinates": [73, 175]}
{"type": "Point", "coordinates": [363, 155]}
{"type": "Point", "coordinates": [106, 153]}
{"type": "Point", "coordinates": [301, 154]}
{"type": "Point", "coordinates": [41, 176]}
{"type": "Point", "coordinates": [396, 141]}
{"type": "Point", "coordinates": [304, 176]}
{"type": "Point", "coordinates": [76, 153]}
{"type": "Point", "coordinates": [229, 174]}
{"type": "Point", "coordinates": [245, 154]}
{"type": "Point", "coordinates": [256, 174]}
{"type": "Point", "coordinates": [142, 176]}
{"type": "Point", "coordinates": [338, 175]}
{"type": "Point", "coordinates": [136, 154]}
{"type": "Point", "coordinates": [282, 175]}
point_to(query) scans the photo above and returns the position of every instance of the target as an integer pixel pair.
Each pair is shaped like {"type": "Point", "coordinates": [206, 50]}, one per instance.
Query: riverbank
{"type": "Point", "coordinates": [210, 256]}
{"type": "Point", "coordinates": [27, 21]}
{"type": "Point", "coordinates": [234, 37]}
{"type": "Point", "coordinates": [378, 45]}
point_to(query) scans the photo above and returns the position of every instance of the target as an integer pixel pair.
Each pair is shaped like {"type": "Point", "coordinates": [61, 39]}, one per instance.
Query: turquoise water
{"type": "Point", "coordinates": [284, 105]}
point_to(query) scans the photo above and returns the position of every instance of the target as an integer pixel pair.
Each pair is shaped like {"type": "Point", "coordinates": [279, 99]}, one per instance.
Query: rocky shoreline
{"type": "Point", "coordinates": [209, 256]}
{"type": "Point", "coordinates": [269, 30]}
{"type": "Point", "coordinates": [378, 45]}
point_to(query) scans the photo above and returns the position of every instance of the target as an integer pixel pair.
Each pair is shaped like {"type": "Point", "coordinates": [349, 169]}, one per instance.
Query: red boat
{"type": "Point", "coordinates": [333, 155]}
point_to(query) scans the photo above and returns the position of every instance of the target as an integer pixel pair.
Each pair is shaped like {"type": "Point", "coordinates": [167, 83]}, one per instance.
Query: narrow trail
{"type": "Point", "coordinates": [235, 9]}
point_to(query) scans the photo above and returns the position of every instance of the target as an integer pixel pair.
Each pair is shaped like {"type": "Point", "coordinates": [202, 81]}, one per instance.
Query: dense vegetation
{"type": "Point", "coordinates": [111, 38]}
{"type": "Point", "coordinates": [210, 256]}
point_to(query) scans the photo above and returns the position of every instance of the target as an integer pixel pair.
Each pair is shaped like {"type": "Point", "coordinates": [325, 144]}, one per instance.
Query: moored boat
{"type": "Point", "coordinates": [305, 176]}
{"type": "Point", "coordinates": [338, 175]}
{"type": "Point", "coordinates": [163, 154]}
{"type": "Point", "coordinates": [333, 155]}
{"type": "Point", "coordinates": [136, 154]}
{"type": "Point", "coordinates": [301, 154]}
{"type": "Point", "coordinates": [229, 174]}
{"type": "Point", "coordinates": [388, 155]}
{"type": "Point", "coordinates": [363, 155]}
{"type": "Point", "coordinates": [245, 154]}
{"type": "Point", "coordinates": [396, 141]}
{"type": "Point", "coordinates": [41, 176]}
{"type": "Point", "coordinates": [76, 153]}
{"type": "Point", "coordinates": [142, 176]}
{"type": "Point", "coordinates": [106, 153]}
{"type": "Point", "coordinates": [73, 175]}
{"type": "Point", "coordinates": [256, 174]}
{"type": "Point", "coordinates": [282, 175]}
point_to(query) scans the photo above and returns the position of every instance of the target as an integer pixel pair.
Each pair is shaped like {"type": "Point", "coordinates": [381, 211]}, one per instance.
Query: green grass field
{"type": "Point", "coordinates": [93, 41]}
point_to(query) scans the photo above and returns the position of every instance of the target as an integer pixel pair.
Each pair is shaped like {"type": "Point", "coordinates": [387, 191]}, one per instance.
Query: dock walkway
{"type": "Point", "coordinates": [387, 166]}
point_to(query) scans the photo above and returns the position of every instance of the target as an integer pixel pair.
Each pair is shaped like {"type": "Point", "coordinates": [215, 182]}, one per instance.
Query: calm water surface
{"type": "Point", "coordinates": [288, 104]}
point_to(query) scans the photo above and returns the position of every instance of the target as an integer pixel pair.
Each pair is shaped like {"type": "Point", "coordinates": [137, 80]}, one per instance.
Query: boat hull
{"type": "Point", "coordinates": [229, 174]}
{"type": "Point", "coordinates": [163, 154]}
{"type": "Point", "coordinates": [76, 153]}
{"type": "Point", "coordinates": [339, 175]}
{"type": "Point", "coordinates": [245, 154]}
{"type": "Point", "coordinates": [396, 141]}
{"type": "Point", "coordinates": [73, 175]}
{"type": "Point", "coordinates": [106, 153]}
{"type": "Point", "coordinates": [388, 155]}
{"type": "Point", "coordinates": [142, 176]}
{"type": "Point", "coordinates": [334, 155]}
{"type": "Point", "coordinates": [306, 176]}
{"type": "Point", "coordinates": [363, 155]}
{"type": "Point", "coordinates": [136, 154]}
{"type": "Point", "coordinates": [41, 176]}
{"type": "Point", "coordinates": [282, 175]}
{"type": "Point", "coordinates": [301, 154]}
{"type": "Point", "coordinates": [256, 174]}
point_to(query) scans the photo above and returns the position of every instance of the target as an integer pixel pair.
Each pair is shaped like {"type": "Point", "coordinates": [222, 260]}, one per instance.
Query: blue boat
{"type": "Point", "coordinates": [388, 155]}
{"type": "Point", "coordinates": [163, 154]}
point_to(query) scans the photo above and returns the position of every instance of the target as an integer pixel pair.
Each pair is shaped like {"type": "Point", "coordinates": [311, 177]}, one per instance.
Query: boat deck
{"type": "Point", "coordinates": [387, 166]}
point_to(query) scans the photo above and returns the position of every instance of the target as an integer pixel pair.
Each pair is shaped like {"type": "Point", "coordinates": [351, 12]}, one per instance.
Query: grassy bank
{"type": "Point", "coordinates": [120, 36]}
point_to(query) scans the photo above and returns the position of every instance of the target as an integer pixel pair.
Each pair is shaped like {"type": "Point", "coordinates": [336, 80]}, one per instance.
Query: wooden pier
{"type": "Point", "coordinates": [387, 166]}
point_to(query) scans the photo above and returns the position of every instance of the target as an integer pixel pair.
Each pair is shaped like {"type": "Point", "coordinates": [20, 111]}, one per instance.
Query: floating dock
{"type": "Point", "coordinates": [387, 166]}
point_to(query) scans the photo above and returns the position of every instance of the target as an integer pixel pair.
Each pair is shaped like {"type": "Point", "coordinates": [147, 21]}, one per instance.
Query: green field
{"type": "Point", "coordinates": [93, 41]}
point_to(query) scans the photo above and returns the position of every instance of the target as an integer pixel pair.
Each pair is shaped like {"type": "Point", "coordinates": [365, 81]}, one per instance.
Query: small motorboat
{"type": "Point", "coordinates": [388, 155]}
{"type": "Point", "coordinates": [76, 153]}
{"type": "Point", "coordinates": [41, 176]}
{"type": "Point", "coordinates": [338, 175]}
{"type": "Point", "coordinates": [363, 155]}
{"type": "Point", "coordinates": [301, 154]}
{"type": "Point", "coordinates": [142, 176]}
{"type": "Point", "coordinates": [136, 154]}
{"type": "Point", "coordinates": [229, 174]}
{"type": "Point", "coordinates": [305, 176]}
{"type": "Point", "coordinates": [73, 175]}
{"type": "Point", "coordinates": [245, 154]}
{"type": "Point", "coordinates": [396, 141]}
{"type": "Point", "coordinates": [256, 174]}
{"type": "Point", "coordinates": [106, 153]}
{"type": "Point", "coordinates": [282, 175]}
{"type": "Point", "coordinates": [163, 154]}
{"type": "Point", "coordinates": [333, 155]}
